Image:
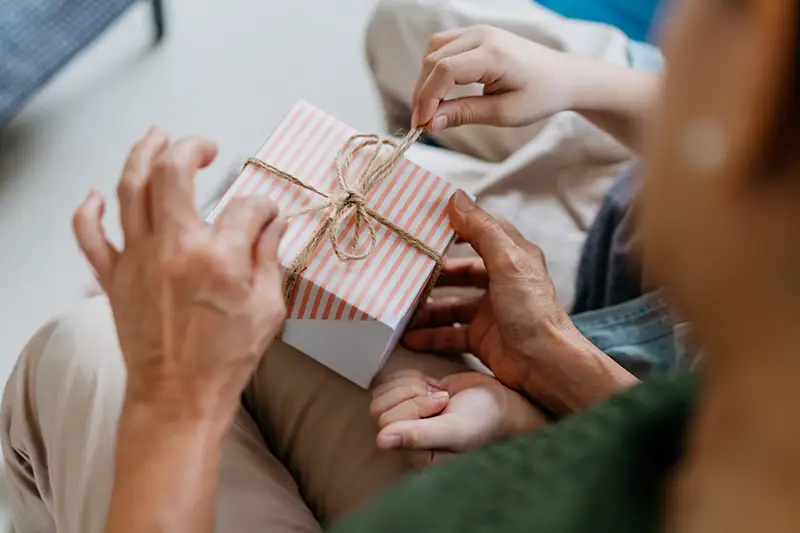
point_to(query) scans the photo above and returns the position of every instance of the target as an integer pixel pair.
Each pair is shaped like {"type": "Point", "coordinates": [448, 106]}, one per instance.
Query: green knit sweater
{"type": "Point", "coordinates": [601, 471]}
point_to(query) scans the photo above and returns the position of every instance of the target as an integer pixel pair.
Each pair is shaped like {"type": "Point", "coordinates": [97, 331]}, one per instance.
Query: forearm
{"type": "Point", "coordinates": [166, 475]}
{"type": "Point", "coordinates": [580, 374]}
{"type": "Point", "coordinates": [618, 100]}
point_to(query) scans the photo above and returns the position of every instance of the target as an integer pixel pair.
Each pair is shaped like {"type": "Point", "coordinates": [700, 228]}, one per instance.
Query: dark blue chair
{"type": "Point", "coordinates": [39, 37]}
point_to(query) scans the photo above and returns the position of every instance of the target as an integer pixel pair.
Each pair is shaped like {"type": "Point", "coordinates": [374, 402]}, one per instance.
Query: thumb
{"type": "Point", "coordinates": [441, 432]}
{"type": "Point", "coordinates": [483, 232]}
{"type": "Point", "coordinates": [468, 110]}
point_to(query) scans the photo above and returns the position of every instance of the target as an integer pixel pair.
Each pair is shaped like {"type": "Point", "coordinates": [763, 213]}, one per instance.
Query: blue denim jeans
{"type": "Point", "coordinates": [613, 307]}
{"type": "Point", "coordinates": [641, 335]}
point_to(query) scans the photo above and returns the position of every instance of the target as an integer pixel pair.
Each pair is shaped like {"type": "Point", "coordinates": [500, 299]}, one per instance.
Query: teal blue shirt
{"type": "Point", "coordinates": [634, 17]}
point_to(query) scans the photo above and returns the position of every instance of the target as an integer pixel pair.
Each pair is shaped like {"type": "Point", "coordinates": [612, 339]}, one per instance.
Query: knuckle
{"type": "Point", "coordinates": [134, 161]}
{"type": "Point", "coordinates": [79, 217]}
{"type": "Point", "coordinates": [222, 267]}
{"type": "Point", "coordinates": [483, 223]}
{"type": "Point", "coordinates": [414, 438]}
{"type": "Point", "coordinates": [262, 204]}
{"type": "Point", "coordinates": [536, 253]}
{"type": "Point", "coordinates": [436, 41]}
{"type": "Point", "coordinates": [431, 60]}
{"type": "Point", "coordinates": [253, 205]}
{"type": "Point", "coordinates": [444, 66]}
{"type": "Point", "coordinates": [237, 204]}
{"type": "Point", "coordinates": [514, 260]}
{"type": "Point", "coordinates": [463, 114]}
{"type": "Point", "coordinates": [412, 390]}
{"type": "Point", "coordinates": [184, 148]}
{"type": "Point", "coordinates": [127, 190]}
{"type": "Point", "coordinates": [167, 167]}
{"type": "Point", "coordinates": [484, 30]}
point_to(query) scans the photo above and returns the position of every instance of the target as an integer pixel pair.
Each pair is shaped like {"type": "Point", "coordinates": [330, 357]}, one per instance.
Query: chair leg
{"type": "Point", "coordinates": [158, 19]}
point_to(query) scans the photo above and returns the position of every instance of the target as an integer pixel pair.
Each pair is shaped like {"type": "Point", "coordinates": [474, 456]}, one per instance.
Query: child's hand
{"type": "Point", "coordinates": [459, 413]}
{"type": "Point", "coordinates": [523, 81]}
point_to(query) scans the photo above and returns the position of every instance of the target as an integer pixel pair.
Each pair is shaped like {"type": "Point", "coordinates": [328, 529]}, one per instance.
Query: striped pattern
{"type": "Point", "coordinates": [381, 287]}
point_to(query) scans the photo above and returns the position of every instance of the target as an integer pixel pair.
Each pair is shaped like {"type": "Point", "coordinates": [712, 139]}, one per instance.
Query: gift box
{"type": "Point", "coordinates": [366, 232]}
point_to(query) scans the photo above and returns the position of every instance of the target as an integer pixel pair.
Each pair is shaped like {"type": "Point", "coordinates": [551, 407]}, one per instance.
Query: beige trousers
{"type": "Point", "coordinates": [301, 451]}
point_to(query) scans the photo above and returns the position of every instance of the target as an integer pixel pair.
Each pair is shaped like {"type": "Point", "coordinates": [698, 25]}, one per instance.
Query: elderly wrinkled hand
{"type": "Point", "coordinates": [517, 327]}
{"type": "Point", "coordinates": [195, 306]}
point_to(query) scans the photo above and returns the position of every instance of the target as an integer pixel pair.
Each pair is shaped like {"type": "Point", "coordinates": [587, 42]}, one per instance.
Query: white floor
{"type": "Point", "coordinates": [228, 70]}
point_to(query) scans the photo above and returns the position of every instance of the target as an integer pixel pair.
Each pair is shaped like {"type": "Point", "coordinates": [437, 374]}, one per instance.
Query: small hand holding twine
{"type": "Point", "coordinates": [350, 201]}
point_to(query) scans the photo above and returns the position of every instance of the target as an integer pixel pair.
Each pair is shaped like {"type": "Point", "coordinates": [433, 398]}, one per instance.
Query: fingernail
{"type": "Point", "coordinates": [439, 123]}
{"type": "Point", "coordinates": [390, 441]}
{"type": "Point", "coordinates": [433, 388]}
{"type": "Point", "coordinates": [462, 202]}
{"type": "Point", "coordinates": [438, 396]}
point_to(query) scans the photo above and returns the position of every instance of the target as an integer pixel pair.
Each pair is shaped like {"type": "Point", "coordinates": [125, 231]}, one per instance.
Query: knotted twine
{"type": "Point", "coordinates": [348, 203]}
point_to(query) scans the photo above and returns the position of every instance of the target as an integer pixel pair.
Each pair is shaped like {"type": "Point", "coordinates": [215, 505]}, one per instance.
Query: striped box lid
{"type": "Point", "coordinates": [385, 285]}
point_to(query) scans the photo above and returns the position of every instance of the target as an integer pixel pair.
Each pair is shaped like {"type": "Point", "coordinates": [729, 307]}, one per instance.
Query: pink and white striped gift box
{"type": "Point", "coordinates": [348, 315]}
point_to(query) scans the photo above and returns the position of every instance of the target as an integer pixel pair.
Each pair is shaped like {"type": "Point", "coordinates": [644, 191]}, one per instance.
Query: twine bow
{"type": "Point", "coordinates": [349, 202]}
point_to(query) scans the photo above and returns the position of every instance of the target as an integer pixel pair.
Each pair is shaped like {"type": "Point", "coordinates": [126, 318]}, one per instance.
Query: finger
{"type": "Point", "coordinates": [473, 66]}
{"type": "Point", "coordinates": [486, 109]}
{"type": "Point", "coordinates": [171, 185]}
{"type": "Point", "coordinates": [267, 265]}
{"type": "Point", "coordinates": [415, 408]}
{"type": "Point", "coordinates": [438, 40]}
{"type": "Point", "coordinates": [444, 340]}
{"type": "Point", "coordinates": [446, 312]}
{"type": "Point", "coordinates": [406, 378]}
{"type": "Point", "coordinates": [486, 236]}
{"type": "Point", "coordinates": [464, 272]}
{"type": "Point", "coordinates": [132, 188]}
{"type": "Point", "coordinates": [437, 433]}
{"type": "Point", "coordinates": [397, 392]}
{"type": "Point", "coordinates": [269, 242]}
{"type": "Point", "coordinates": [410, 382]}
{"type": "Point", "coordinates": [441, 47]}
{"type": "Point", "coordinates": [87, 224]}
{"type": "Point", "coordinates": [435, 43]}
{"type": "Point", "coordinates": [243, 221]}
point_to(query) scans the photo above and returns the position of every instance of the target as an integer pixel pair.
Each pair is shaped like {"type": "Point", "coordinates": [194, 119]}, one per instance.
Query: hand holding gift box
{"type": "Point", "coordinates": [367, 231]}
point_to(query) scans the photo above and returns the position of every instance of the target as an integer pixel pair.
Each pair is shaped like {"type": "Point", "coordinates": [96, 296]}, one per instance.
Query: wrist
{"type": "Point", "coordinates": [606, 88]}
{"type": "Point", "coordinates": [177, 403]}
{"type": "Point", "coordinates": [145, 418]}
{"type": "Point", "coordinates": [568, 374]}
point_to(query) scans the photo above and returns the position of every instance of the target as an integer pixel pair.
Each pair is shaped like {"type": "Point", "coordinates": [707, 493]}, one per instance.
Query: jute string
{"type": "Point", "coordinates": [349, 202]}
